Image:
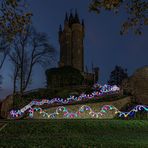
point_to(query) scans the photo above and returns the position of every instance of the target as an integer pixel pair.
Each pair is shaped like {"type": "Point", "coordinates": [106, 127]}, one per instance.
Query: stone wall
{"type": "Point", "coordinates": [6, 105]}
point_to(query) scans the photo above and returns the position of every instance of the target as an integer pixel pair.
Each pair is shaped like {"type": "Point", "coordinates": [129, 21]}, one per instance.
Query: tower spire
{"type": "Point", "coordinates": [83, 23]}
{"type": "Point", "coordinates": [71, 15]}
{"type": "Point", "coordinates": [60, 30]}
{"type": "Point", "coordinates": [71, 18]}
{"type": "Point", "coordinates": [66, 18]}
{"type": "Point", "coordinates": [71, 37]}
{"type": "Point", "coordinates": [60, 27]}
{"type": "Point", "coordinates": [76, 17]}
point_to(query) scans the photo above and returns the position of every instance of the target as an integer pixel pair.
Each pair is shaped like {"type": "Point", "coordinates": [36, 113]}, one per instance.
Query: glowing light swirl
{"type": "Point", "coordinates": [98, 92]}
{"type": "Point", "coordinates": [106, 88]}
{"type": "Point", "coordinates": [104, 111]}
{"type": "Point", "coordinates": [67, 114]}
{"type": "Point", "coordinates": [133, 111]}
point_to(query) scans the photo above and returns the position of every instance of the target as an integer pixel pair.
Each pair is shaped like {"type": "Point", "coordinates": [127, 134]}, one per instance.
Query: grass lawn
{"type": "Point", "coordinates": [75, 133]}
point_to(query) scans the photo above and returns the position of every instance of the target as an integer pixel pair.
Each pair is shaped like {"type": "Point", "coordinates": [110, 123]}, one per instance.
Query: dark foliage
{"type": "Point", "coordinates": [136, 11]}
{"type": "Point", "coordinates": [13, 17]}
{"type": "Point", "coordinates": [117, 76]}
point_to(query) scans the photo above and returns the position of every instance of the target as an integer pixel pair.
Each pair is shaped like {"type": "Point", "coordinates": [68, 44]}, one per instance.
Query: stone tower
{"type": "Point", "coordinates": [71, 42]}
{"type": "Point", "coordinates": [96, 74]}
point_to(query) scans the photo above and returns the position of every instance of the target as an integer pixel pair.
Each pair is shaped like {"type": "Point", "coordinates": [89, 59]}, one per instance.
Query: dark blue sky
{"type": "Point", "coordinates": [103, 45]}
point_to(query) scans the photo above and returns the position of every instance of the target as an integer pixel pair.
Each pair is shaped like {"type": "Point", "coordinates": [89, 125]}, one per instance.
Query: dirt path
{"type": "Point", "coordinates": [3, 126]}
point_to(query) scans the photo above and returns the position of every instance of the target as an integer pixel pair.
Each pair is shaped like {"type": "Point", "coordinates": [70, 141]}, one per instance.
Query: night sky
{"type": "Point", "coordinates": [103, 45]}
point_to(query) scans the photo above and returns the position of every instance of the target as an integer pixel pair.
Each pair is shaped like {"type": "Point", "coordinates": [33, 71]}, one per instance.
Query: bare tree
{"type": "Point", "coordinates": [29, 49]}
{"type": "Point", "coordinates": [15, 76]}
{"type": "Point", "coordinates": [4, 49]}
{"type": "Point", "coordinates": [13, 19]}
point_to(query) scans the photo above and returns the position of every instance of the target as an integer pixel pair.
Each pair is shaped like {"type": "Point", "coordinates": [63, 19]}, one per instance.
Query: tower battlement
{"type": "Point", "coordinates": [71, 42]}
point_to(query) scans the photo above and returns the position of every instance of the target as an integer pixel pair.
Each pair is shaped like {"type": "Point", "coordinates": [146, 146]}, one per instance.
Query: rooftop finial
{"type": "Point", "coordinates": [60, 28]}
{"type": "Point", "coordinates": [82, 22]}
{"type": "Point", "coordinates": [71, 14]}
{"type": "Point", "coordinates": [66, 18]}
{"type": "Point", "coordinates": [76, 17]}
{"type": "Point", "coordinates": [76, 14]}
{"type": "Point", "coordinates": [71, 18]}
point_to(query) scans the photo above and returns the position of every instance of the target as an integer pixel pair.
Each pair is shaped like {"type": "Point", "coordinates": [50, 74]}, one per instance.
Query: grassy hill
{"type": "Point", "coordinates": [75, 134]}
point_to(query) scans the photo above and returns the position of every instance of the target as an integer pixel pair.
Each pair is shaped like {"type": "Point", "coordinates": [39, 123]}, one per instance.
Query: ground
{"type": "Point", "coordinates": [74, 133]}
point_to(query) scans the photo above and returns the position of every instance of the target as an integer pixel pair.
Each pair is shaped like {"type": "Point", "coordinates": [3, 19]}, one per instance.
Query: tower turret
{"type": "Point", "coordinates": [96, 74]}
{"type": "Point", "coordinates": [83, 23]}
{"type": "Point", "coordinates": [71, 19]}
{"type": "Point", "coordinates": [76, 18]}
{"type": "Point", "coordinates": [66, 18]}
{"type": "Point", "coordinates": [71, 43]}
{"type": "Point", "coordinates": [60, 30]}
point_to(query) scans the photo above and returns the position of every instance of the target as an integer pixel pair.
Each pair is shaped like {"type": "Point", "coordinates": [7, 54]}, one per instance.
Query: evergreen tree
{"type": "Point", "coordinates": [117, 76]}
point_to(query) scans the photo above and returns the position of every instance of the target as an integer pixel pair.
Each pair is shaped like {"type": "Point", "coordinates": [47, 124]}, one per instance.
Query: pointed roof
{"type": "Point", "coordinates": [71, 16]}
{"type": "Point", "coordinates": [60, 28]}
{"type": "Point", "coordinates": [66, 18]}
{"type": "Point", "coordinates": [76, 18]}
{"type": "Point", "coordinates": [71, 19]}
{"type": "Point", "coordinates": [83, 23]}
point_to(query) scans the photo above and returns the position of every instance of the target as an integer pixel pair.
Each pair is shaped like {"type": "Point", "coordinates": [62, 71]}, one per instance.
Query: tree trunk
{"type": "Point", "coordinates": [15, 78]}
{"type": "Point", "coordinates": [22, 70]}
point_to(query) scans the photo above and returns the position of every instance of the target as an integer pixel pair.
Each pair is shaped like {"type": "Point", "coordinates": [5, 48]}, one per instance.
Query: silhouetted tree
{"type": "Point", "coordinates": [117, 76]}
{"type": "Point", "coordinates": [13, 19]}
{"type": "Point", "coordinates": [4, 49]}
{"type": "Point", "coordinates": [29, 49]}
{"type": "Point", "coordinates": [137, 11]}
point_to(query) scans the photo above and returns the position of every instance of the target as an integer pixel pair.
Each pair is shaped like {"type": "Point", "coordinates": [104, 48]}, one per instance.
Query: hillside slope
{"type": "Point", "coordinates": [96, 107]}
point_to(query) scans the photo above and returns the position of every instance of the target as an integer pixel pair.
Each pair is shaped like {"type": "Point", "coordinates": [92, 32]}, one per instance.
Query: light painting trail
{"type": "Point", "coordinates": [103, 112]}
{"type": "Point", "coordinates": [98, 91]}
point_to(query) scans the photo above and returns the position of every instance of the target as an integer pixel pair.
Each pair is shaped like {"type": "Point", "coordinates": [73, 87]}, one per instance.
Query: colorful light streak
{"type": "Point", "coordinates": [98, 92]}
{"type": "Point", "coordinates": [103, 112]}
{"type": "Point", "coordinates": [92, 114]}
{"type": "Point", "coordinates": [105, 88]}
